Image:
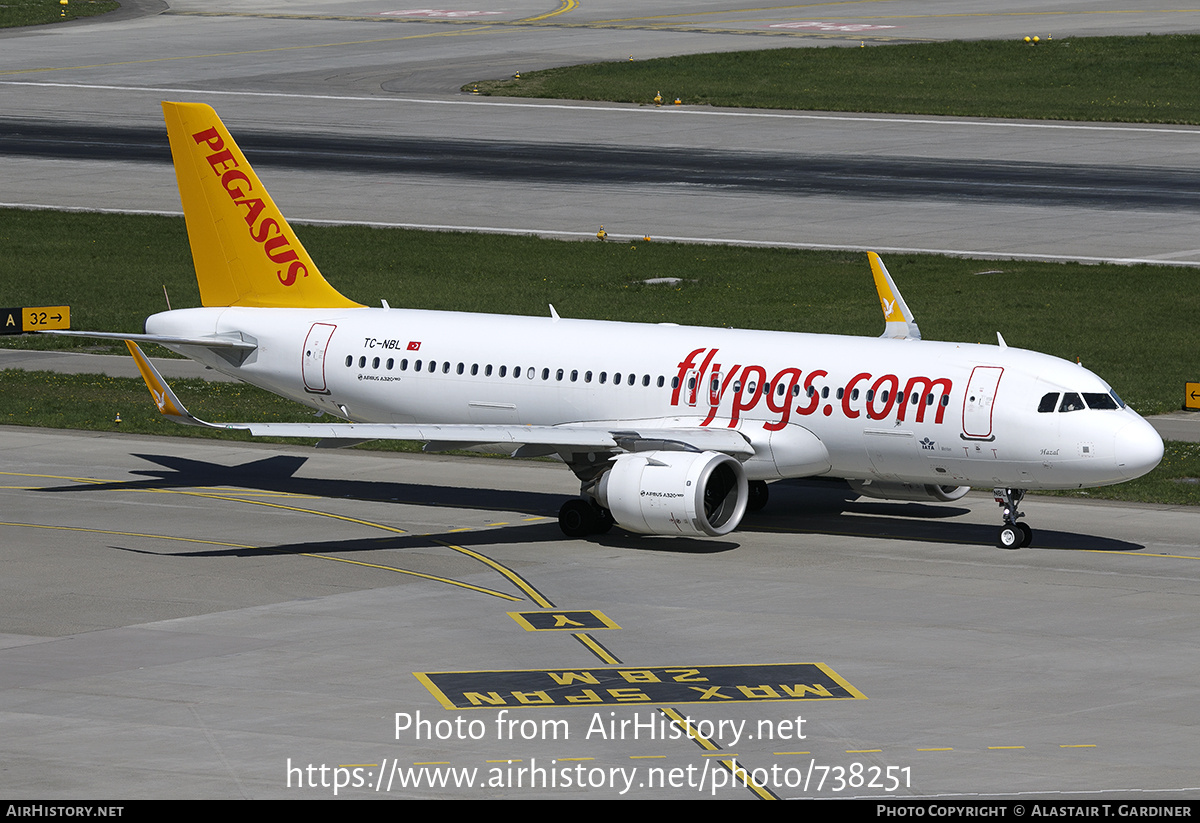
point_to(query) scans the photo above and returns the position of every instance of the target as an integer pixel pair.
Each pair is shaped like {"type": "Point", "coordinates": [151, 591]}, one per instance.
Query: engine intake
{"type": "Point", "coordinates": [675, 492]}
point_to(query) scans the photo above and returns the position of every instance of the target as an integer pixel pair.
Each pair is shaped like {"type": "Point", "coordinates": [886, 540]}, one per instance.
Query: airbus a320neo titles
{"type": "Point", "coordinates": [671, 430]}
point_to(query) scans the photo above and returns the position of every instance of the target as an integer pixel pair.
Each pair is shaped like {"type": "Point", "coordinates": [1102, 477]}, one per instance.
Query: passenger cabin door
{"type": "Point", "coordinates": [313, 366]}
{"type": "Point", "coordinates": [977, 405]}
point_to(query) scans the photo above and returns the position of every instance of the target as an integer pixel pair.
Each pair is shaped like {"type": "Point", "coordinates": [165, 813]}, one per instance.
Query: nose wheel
{"type": "Point", "coordinates": [1013, 534]}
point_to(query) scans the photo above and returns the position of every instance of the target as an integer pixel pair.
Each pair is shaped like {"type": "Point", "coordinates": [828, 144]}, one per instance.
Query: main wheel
{"type": "Point", "coordinates": [577, 518]}
{"type": "Point", "coordinates": [759, 494]}
{"type": "Point", "coordinates": [604, 520]}
{"type": "Point", "coordinates": [1009, 537]}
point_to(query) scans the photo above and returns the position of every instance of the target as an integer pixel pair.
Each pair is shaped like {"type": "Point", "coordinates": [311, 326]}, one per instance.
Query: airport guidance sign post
{"type": "Point", "coordinates": [34, 318]}
{"type": "Point", "coordinates": [1191, 396]}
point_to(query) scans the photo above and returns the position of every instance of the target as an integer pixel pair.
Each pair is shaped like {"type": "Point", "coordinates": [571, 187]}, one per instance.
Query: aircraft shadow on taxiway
{"type": "Point", "coordinates": [797, 507]}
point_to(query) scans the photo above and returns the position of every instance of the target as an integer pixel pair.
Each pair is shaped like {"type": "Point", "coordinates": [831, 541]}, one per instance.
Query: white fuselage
{"type": "Point", "coordinates": [885, 410]}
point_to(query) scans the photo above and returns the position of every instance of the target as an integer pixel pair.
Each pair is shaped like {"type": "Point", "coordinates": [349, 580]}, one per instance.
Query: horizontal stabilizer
{"type": "Point", "coordinates": [215, 343]}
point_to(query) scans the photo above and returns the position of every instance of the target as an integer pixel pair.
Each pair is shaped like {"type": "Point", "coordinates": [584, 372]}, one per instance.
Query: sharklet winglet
{"type": "Point", "coordinates": [168, 404]}
{"type": "Point", "coordinates": [898, 319]}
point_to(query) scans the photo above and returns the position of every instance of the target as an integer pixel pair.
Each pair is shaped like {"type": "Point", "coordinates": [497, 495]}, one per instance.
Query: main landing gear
{"type": "Point", "coordinates": [759, 494]}
{"type": "Point", "coordinates": [1013, 535]}
{"type": "Point", "coordinates": [579, 518]}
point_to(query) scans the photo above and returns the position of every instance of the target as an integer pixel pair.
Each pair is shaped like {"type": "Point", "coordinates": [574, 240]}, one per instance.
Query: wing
{"type": "Point", "coordinates": [523, 441]}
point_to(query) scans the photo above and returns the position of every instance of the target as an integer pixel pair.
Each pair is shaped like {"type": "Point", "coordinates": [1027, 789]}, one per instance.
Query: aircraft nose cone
{"type": "Point", "coordinates": [1138, 449]}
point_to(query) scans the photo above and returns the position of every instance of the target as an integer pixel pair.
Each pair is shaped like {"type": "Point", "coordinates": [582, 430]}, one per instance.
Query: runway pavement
{"type": "Point", "coordinates": [188, 619]}
{"type": "Point", "coordinates": [320, 70]}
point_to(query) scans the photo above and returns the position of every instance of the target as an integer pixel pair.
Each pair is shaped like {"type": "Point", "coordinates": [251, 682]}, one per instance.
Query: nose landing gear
{"type": "Point", "coordinates": [1013, 535]}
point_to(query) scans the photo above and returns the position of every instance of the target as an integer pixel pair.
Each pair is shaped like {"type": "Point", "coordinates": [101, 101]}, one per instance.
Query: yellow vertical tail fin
{"type": "Point", "coordinates": [244, 251]}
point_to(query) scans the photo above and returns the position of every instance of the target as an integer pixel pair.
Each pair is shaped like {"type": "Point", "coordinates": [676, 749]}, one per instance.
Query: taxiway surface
{"type": "Point", "coordinates": [188, 619]}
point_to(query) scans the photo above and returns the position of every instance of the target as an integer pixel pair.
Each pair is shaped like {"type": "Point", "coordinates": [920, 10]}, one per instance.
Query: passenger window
{"type": "Point", "coordinates": [404, 364]}
{"type": "Point", "coordinates": [349, 360]}
{"type": "Point", "coordinates": [603, 377]}
{"type": "Point", "coordinates": [574, 375]}
{"type": "Point", "coordinates": [1049, 402]}
{"type": "Point", "coordinates": [660, 381]}
{"type": "Point", "coordinates": [375, 363]}
{"type": "Point", "coordinates": [460, 368]}
{"type": "Point", "coordinates": [1071, 402]}
{"type": "Point", "coordinates": [587, 377]}
{"type": "Point", "coordinates": [432, 366]}
{"type": "Point", "coordinates": [645, 380]}
{"type": "Point", "coordinates": [487, 370]}
{"type": "Point", "coordinates": [390, 363]}
{"type": "Point", "coordinates": [674, 382]}
{"type": "Point", "coordinates": [362, 362]}
{"type": "Point", "coordinates": [503, 371]}
{"type": "Point", "coordinates": [546, 374]}
{"type": "Point", "coordinates": [558, 375]}
{"type": "Point", "coordinates": [516, 371]}
{"type": "Point", "coordinates": [474, 369]}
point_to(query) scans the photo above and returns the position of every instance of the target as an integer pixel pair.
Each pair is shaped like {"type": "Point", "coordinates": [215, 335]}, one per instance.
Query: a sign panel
{"type": "Point", "coordinates": [1191, 396]}
{"type": "Point", "coordinates": [19, 319]}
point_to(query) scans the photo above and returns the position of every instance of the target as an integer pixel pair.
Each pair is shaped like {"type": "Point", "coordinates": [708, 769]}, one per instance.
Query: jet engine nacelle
{"type": "Point", "coordinates": [908, 491]}
{"type": "Point", "coordinates": [675, 492]}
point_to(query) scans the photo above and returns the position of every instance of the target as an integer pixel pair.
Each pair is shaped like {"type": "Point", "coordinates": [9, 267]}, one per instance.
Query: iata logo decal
{"type": "Point", "coordinates": [276, 245]}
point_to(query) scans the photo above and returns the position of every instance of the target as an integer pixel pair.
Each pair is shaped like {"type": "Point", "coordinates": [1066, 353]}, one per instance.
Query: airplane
{"type": "Point", "coordinates": [670, 430]}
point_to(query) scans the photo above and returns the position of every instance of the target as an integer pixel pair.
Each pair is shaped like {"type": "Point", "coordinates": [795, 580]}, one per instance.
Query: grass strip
{"type": "Point", "coordinates": [1149, 79]}
{"type": "Point", "coordinates": [14, 13]}
{"type": "Point", "coordinates": [1133, 325]}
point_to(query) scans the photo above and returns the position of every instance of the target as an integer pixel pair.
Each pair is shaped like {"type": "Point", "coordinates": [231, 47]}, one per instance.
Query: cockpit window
{"type": "Point", "coordinates": [1098, 400]}
{"type": "Point", "coordinates": [1071, 402]}
{"type": "Point", "coordinates": [1049, 402]}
